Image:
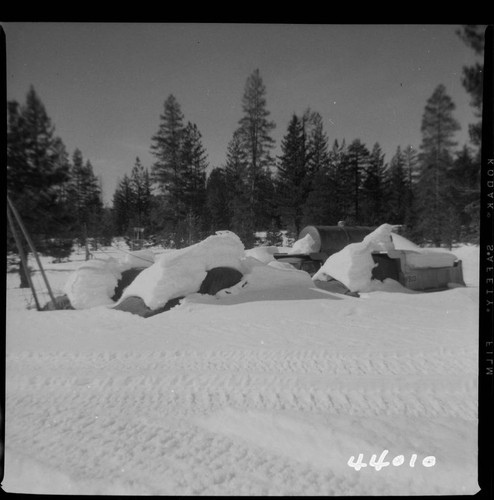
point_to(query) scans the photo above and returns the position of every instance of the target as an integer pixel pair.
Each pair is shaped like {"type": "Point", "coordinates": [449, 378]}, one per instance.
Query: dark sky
{"type": "Point", "coordinates": [104, 85]}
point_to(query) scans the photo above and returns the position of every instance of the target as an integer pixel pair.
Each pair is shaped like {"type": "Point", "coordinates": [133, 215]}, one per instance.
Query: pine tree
{"type": "Point", "coordinates": [217, 200]}
{"type": "Point", "coordinates": [397, 187]}
{"type": "Point", "coordinates": [325, 203]}
{"type": "Point", "coordinates": [318, 155]}
{"type": "Point", "coordinates": [355, 163]}
{"type": "Point", "coordinates": [76, 188]}
{"type": "Point", "coordinates": [123, 206]}
{"type": "Point", "coordinates": [318, 208]}
{"type": "Point", "coordinates": [265, 207]}
{"type": "Point", "coordinates": [473, 78]}
{"type": "Point", "coordinates": [472, 81]}
{"type": "Point", "coordinates": [85, 195]}
{"type": "Point", "coordinates": [438, 128]}
{"type": "Point", "coordinates": [304, 154]}
{"type": "Point", "coordinates": [166, 147]}
{"type": "Point", "coordinates": [93, 199]}
{"type": "Point", "coordinates": [236, 175]}
{"type": "Point", "coordinates": [193, 160]}
{"type": "Point", "coordinates": [291, 174]}
{"type": "Point", "coordinates": [37, 169]}
{"type": "Point", "coordinates": [256, 142]}
{"type": "Point", "coordinates": [140, 186]}
{"type": "Point", "coordinates": [465, 194]}
{"type": "Point", "coordinates": [411, 166]}
{"type": "Point", "coordinates": [373, 211]}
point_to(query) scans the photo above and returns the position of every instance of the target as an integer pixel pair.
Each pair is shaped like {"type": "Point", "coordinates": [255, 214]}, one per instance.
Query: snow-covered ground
{"type": "Point", "coordinates": [270, 391]}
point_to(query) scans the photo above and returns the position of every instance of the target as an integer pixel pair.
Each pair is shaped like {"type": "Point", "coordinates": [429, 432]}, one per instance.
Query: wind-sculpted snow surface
{"type": "Point", "coordinates": [229, 395]}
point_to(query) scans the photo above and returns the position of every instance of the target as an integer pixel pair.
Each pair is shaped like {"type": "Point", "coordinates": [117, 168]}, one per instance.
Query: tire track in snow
{"type": "Point", "coordinates": [434, 361]}
{"type": "Point", "coordinates": [139, 410]}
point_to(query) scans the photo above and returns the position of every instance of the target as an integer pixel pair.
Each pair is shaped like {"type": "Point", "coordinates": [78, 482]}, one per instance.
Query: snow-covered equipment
{"type": "Point", "coordinates": [217, 279]}
{"type": "Point", "coordinates": [422, 269]}
{"type": "Point", "coordinates": [387, 255]}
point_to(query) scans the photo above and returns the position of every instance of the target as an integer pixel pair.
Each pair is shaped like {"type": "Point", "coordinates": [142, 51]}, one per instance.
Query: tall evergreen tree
{"type": "Point", "coordinates": [85, 197]}
{"type": "Point", "coordinates": [373, 189]}
{"type": "Point", "coordinates": [325, 203]}
{"type": "Point", "coordinates": [166, 147]}
{"type": "Point", "coordinates": [291, 176]}
{"type": "Point", "coordinates": [265, 208]}
{"type": "Point", "coordinates": [318, 155]}
{"type": "Point", "coordinates": [193, 171]}
{"type": "Point", "coordinates": [256, 142]}
{"type": "Point", "coordinates": [132, 200]}
{"type": "Point", "coordinates": [304, 154]}
{"type": "Point", "coordinates": [191, 188]}
{"type": "Point", "coordinates": [37, 169]}
{"type": "Point", "coordinates": [318, 208]}
{"type": "Point", "coordinates": [140, 186]}
{"type": "Point", "coordinates": [236, 177]}
{"type": "Point", "coordinates": [436, 221]}
{"type": "Point", "coordinates": [94, 199]}
{"type": "Point", "coordinates": [76, 188]}
{"type": "Point", "coordinates": [473, 36]}
{"type": "Point", "coordinates": [411, 165]}
{"type": "Point", "coordinates": [123, 206]}
{"type": "Point", "coordinates": [355, 163]}
{"type": "Point", "coordinates": [217, 200]}
{"type": "Point", "coordinates": [397, 187]}
{"type": "Point", "coordinates": [464, 194]}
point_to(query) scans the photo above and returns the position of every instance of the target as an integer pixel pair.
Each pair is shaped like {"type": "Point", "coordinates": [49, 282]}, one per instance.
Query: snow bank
{"type": "Point", "coordinates": [353, 264]}
{"type": "Point", "coordinates": [93, 283]}
{"type": "Point", "coordinates": [181, 272]}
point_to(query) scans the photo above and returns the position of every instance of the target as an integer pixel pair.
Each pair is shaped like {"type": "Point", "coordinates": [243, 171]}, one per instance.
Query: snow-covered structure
{"type": "Point", "coordinates": [383, 254]}
{"type": "Point", "coordinates": [178, 273]}
{"type": "Point", "coordinates": [353, 264]}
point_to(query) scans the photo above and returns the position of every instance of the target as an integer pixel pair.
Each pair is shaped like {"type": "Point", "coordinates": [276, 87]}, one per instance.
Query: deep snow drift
{"type": "Point", "coordinates": [269, 389]}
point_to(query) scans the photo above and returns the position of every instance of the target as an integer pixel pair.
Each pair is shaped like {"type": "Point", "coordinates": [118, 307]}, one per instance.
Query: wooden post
{"type": "Point", "coordinates": [23, 258]}
{"type": "Point", "coordinates": [33, 249]}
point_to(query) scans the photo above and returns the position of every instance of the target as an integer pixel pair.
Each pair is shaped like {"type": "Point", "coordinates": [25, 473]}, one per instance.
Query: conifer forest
{"type": "Point", "coordinates": [432, 189]}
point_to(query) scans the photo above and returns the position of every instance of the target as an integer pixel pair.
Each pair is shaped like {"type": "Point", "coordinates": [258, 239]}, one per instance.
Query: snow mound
{"type": "Point", "coordinates": [353, 264]}
{"type": "Point", "coordinates": [305, 245]}
{"type": "Point", "coordinates": [138, 259]}
{"type": "Point", "coordinates": [266, 277]}
{"type": "Point", "coordinates": [93, 283]}
{"type": "Point", "coordinates": [180, 272]}
{"type": "Point", "coordinates": [263, 254]}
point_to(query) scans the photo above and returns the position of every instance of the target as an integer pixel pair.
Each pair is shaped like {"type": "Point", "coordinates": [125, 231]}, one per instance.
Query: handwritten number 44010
{"type": "Point", "coordinates": [378, 464]}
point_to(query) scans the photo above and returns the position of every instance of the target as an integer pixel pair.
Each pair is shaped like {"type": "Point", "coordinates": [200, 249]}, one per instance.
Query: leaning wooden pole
{"type": "Point", "coordinates": [31, 246]}
{"type": "Point", "coordinates": [23, 258]}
